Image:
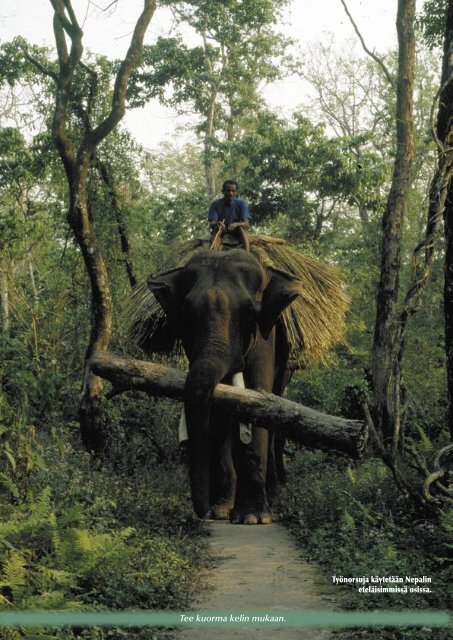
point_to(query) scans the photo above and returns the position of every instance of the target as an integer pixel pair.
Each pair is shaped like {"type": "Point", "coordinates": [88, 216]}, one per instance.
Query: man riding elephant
{"type": "Point", "coordinates": [230, 211]}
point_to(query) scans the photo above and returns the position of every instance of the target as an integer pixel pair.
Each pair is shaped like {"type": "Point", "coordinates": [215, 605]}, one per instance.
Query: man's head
{"type": "Point", "coordinates": [230, 190]}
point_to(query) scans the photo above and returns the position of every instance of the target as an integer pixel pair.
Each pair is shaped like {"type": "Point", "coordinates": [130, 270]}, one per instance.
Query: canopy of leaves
{"type": "Point", "coordinates": [238, 50]}
{"type": "Point", "coordinates": [292, 170]}
{"type": "Point", "coordinates": [431, 22]}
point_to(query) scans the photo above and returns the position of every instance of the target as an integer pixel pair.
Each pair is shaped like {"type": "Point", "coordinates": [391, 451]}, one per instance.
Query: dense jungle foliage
{"type": "Point", "coordinates": [117, 530]}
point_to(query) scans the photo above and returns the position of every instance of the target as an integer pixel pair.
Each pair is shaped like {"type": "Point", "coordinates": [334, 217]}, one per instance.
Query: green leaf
{"type": "Point", "coordinates": [10, 459]}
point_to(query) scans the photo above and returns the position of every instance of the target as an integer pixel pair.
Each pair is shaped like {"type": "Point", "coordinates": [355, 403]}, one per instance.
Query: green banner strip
{"type": "Point", "coordinates": [251, 619]}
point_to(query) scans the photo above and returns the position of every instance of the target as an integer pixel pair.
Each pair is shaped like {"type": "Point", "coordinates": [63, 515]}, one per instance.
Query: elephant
{"type": "Point", "coordinates": [225, 307]}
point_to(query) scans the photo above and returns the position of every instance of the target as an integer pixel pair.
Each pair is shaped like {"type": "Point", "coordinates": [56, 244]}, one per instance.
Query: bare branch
{"type": "Point", "coordinates": [44, 70]}
{"type": "Point", "coordinates": [207, 58]}
{"type": "Point", "coordinates": [376, 58]}
{"type": "Point", "coordinates": [121, 225]}
{"type": "Point", "coordinates": [70, 25]}
{"type": "Point", "coordinates": [68, 62]}
{"type": "Point", "coordinates": [86, 113]}
{"type": "Point", "coordinates": [104, 8]}
{"type": "Point", "coordinates": [127, 66]}
{"type": "Point", "coordinates": [72, 16]}
{"type": "Point", "coordinates": [60, 39]}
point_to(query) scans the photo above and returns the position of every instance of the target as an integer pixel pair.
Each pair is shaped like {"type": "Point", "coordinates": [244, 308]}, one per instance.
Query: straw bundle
{"type": "Point", "coordinates": [315, 321]}
{"type": "Point", "coordinates": [312, 323]}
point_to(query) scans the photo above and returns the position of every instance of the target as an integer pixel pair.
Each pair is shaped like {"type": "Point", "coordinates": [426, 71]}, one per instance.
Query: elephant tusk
{"type": "Point", "coordinates": [245, 430]}
{"type": "Point", "coordinates": [183, 436]}
{"type": "Point", "coordinates": [238, 380]}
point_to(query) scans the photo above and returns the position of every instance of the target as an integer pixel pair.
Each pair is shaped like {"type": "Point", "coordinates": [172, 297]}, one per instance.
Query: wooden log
{"type": "Point", "coordinates": [301, 424]}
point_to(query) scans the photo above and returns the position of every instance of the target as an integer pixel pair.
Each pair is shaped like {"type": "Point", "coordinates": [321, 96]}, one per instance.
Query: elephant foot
{"type": "Point", "coordinates": [260, 517]}
{"type": "Point", "coordinates": [219, 512]}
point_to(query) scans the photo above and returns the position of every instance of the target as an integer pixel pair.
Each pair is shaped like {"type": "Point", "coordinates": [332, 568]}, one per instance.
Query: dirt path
{"type": "Point", "coordinates": [260, 568]}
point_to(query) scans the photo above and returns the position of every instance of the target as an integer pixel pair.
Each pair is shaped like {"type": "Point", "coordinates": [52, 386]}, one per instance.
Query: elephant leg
{"type": "Point", "coordinates": [223, 474]}
{"type": "Point", "coordinates": [272, 471]}
{"type": "Point", "coordinates": [277, 472]}
{"type": "Point", "coordinates": [279, 445]}
{"type": "Point", "coordinates": [251, 504]}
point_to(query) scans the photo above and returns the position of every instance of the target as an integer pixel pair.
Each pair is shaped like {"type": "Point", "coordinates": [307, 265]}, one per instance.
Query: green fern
{"type": "Point", "coordinates": [351, 475]}
{"type": "Point", "coordinates": [9, 456]}
{"type": "Point", "coordinates": [41, 507]}
{"type": "Point", "coordinates": [9, 485]}
{"type": "Point", "coordinates": [426, 442]}
{"type": "Point", "coordinates": [30, 633]}
{"type": "Point", "coordinates": [363, 510]}
{"type": "Point", "coordinates": [447, 527]}
{"type": "Point", "coordinates": [50, 600]}
{"type": "Point", "coordinates": [50, 577]}
{"type": "Point", "coordinates": [126, 533]}
{"type": "Point", "coordinates": [72, 516]}
{"type": "Point", "coordinates": [10, 633]}
{"type": "Point", "coordinates": [34, 522]}
{"type": "Point", "coordinates": [14, 574]}
{"type": "Point", "coordinates": [54, 533]}
{"type": "Point", "coordinates": [347, 522]}
{"type": "Point", "coordinates": [75, 546]}
{"type": "Point", "coordinates": [78, 548]}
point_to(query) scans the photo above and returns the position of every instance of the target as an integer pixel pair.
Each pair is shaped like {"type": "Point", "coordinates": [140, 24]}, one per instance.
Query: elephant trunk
{"type": "Point", "coordinates": [201, 380]}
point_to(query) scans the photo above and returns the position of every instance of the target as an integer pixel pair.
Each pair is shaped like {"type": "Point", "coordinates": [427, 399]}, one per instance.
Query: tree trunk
{"type": "Point", "coordinates": [383, 354]}
{"type": "Point", "coordinates": [4, 296]}
{"type": "Point", "coordinates": [121, 224]}
{"type": "Point", "coordinates": [101, 306]}
{"type": "Point", "coordinates": [448, 302]}
{"type": "Point", "coordinates": [301, 424]}
{"type": "Point", "coordinates": [76, 162]}
{"type": "Point", "coordinates": [209, 134]}
{"type": "Point", "coordinates": [445, 138]}
{"type": "Point", "coordinates": [23, 205]}
{"type": "Point", "coordinates": [207, 151]}
{"type": "Point", "coordinates": [207, 145]}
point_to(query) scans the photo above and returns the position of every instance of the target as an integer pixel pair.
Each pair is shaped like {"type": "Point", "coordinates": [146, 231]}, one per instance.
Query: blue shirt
{"type": "Point", "coordinates": [238, 211]}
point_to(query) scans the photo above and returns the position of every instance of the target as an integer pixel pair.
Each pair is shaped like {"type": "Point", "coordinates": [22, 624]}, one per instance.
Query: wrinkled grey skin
{"type": "Point", "coordinates": [224, 307]}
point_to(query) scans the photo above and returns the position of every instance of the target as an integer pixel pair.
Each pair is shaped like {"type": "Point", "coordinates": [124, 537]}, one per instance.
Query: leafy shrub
{"type": "Point", "coordinates": [80, 535]}
{"type": "Point", "coordinates": [352, 519]}
{"type": "Point", "coordinates": [142, 432]}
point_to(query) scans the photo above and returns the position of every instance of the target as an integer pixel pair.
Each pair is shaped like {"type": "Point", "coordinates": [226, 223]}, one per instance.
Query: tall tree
{"type": "Point", "coordinates": [444, 132]}
{"type": "Point", "coordinates": [238, 51]}
{"type": "Point", "coordinates": [76, 156]}
{"type": "Point", "coordinates": [386, 400]}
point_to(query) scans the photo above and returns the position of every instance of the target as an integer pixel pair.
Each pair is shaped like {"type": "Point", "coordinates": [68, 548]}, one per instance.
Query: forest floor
{"type": "Point", "coordinates": [258, 568]}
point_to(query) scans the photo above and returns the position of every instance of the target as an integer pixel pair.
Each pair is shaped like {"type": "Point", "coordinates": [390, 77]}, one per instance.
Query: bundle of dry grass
{"type": "Point", "coordinates": [313, 322]}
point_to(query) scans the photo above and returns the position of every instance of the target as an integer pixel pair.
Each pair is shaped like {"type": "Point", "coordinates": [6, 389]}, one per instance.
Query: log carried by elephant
{"type": "Point", "coordinates": [301, 424]}
{"type": "Point", "coordinates": [237, 312]}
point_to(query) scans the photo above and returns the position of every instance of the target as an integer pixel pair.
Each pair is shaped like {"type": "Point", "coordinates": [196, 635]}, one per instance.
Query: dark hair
{"type": "Point", "coordinates": [230, 182]}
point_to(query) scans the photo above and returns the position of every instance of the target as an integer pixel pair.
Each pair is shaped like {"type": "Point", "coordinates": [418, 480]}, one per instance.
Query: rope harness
{"type": "Point", "coordinates": [217, 243]}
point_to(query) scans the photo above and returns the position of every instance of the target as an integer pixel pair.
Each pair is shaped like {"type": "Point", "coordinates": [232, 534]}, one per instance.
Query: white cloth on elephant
{"type": "Point", "coordinates": [245, 430]}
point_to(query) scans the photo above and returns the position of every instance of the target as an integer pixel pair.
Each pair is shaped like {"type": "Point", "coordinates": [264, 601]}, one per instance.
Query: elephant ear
{"type": "Point", "coordinates": [281, 290]}
{"type": "Point", "coordinates": [165, 288]}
